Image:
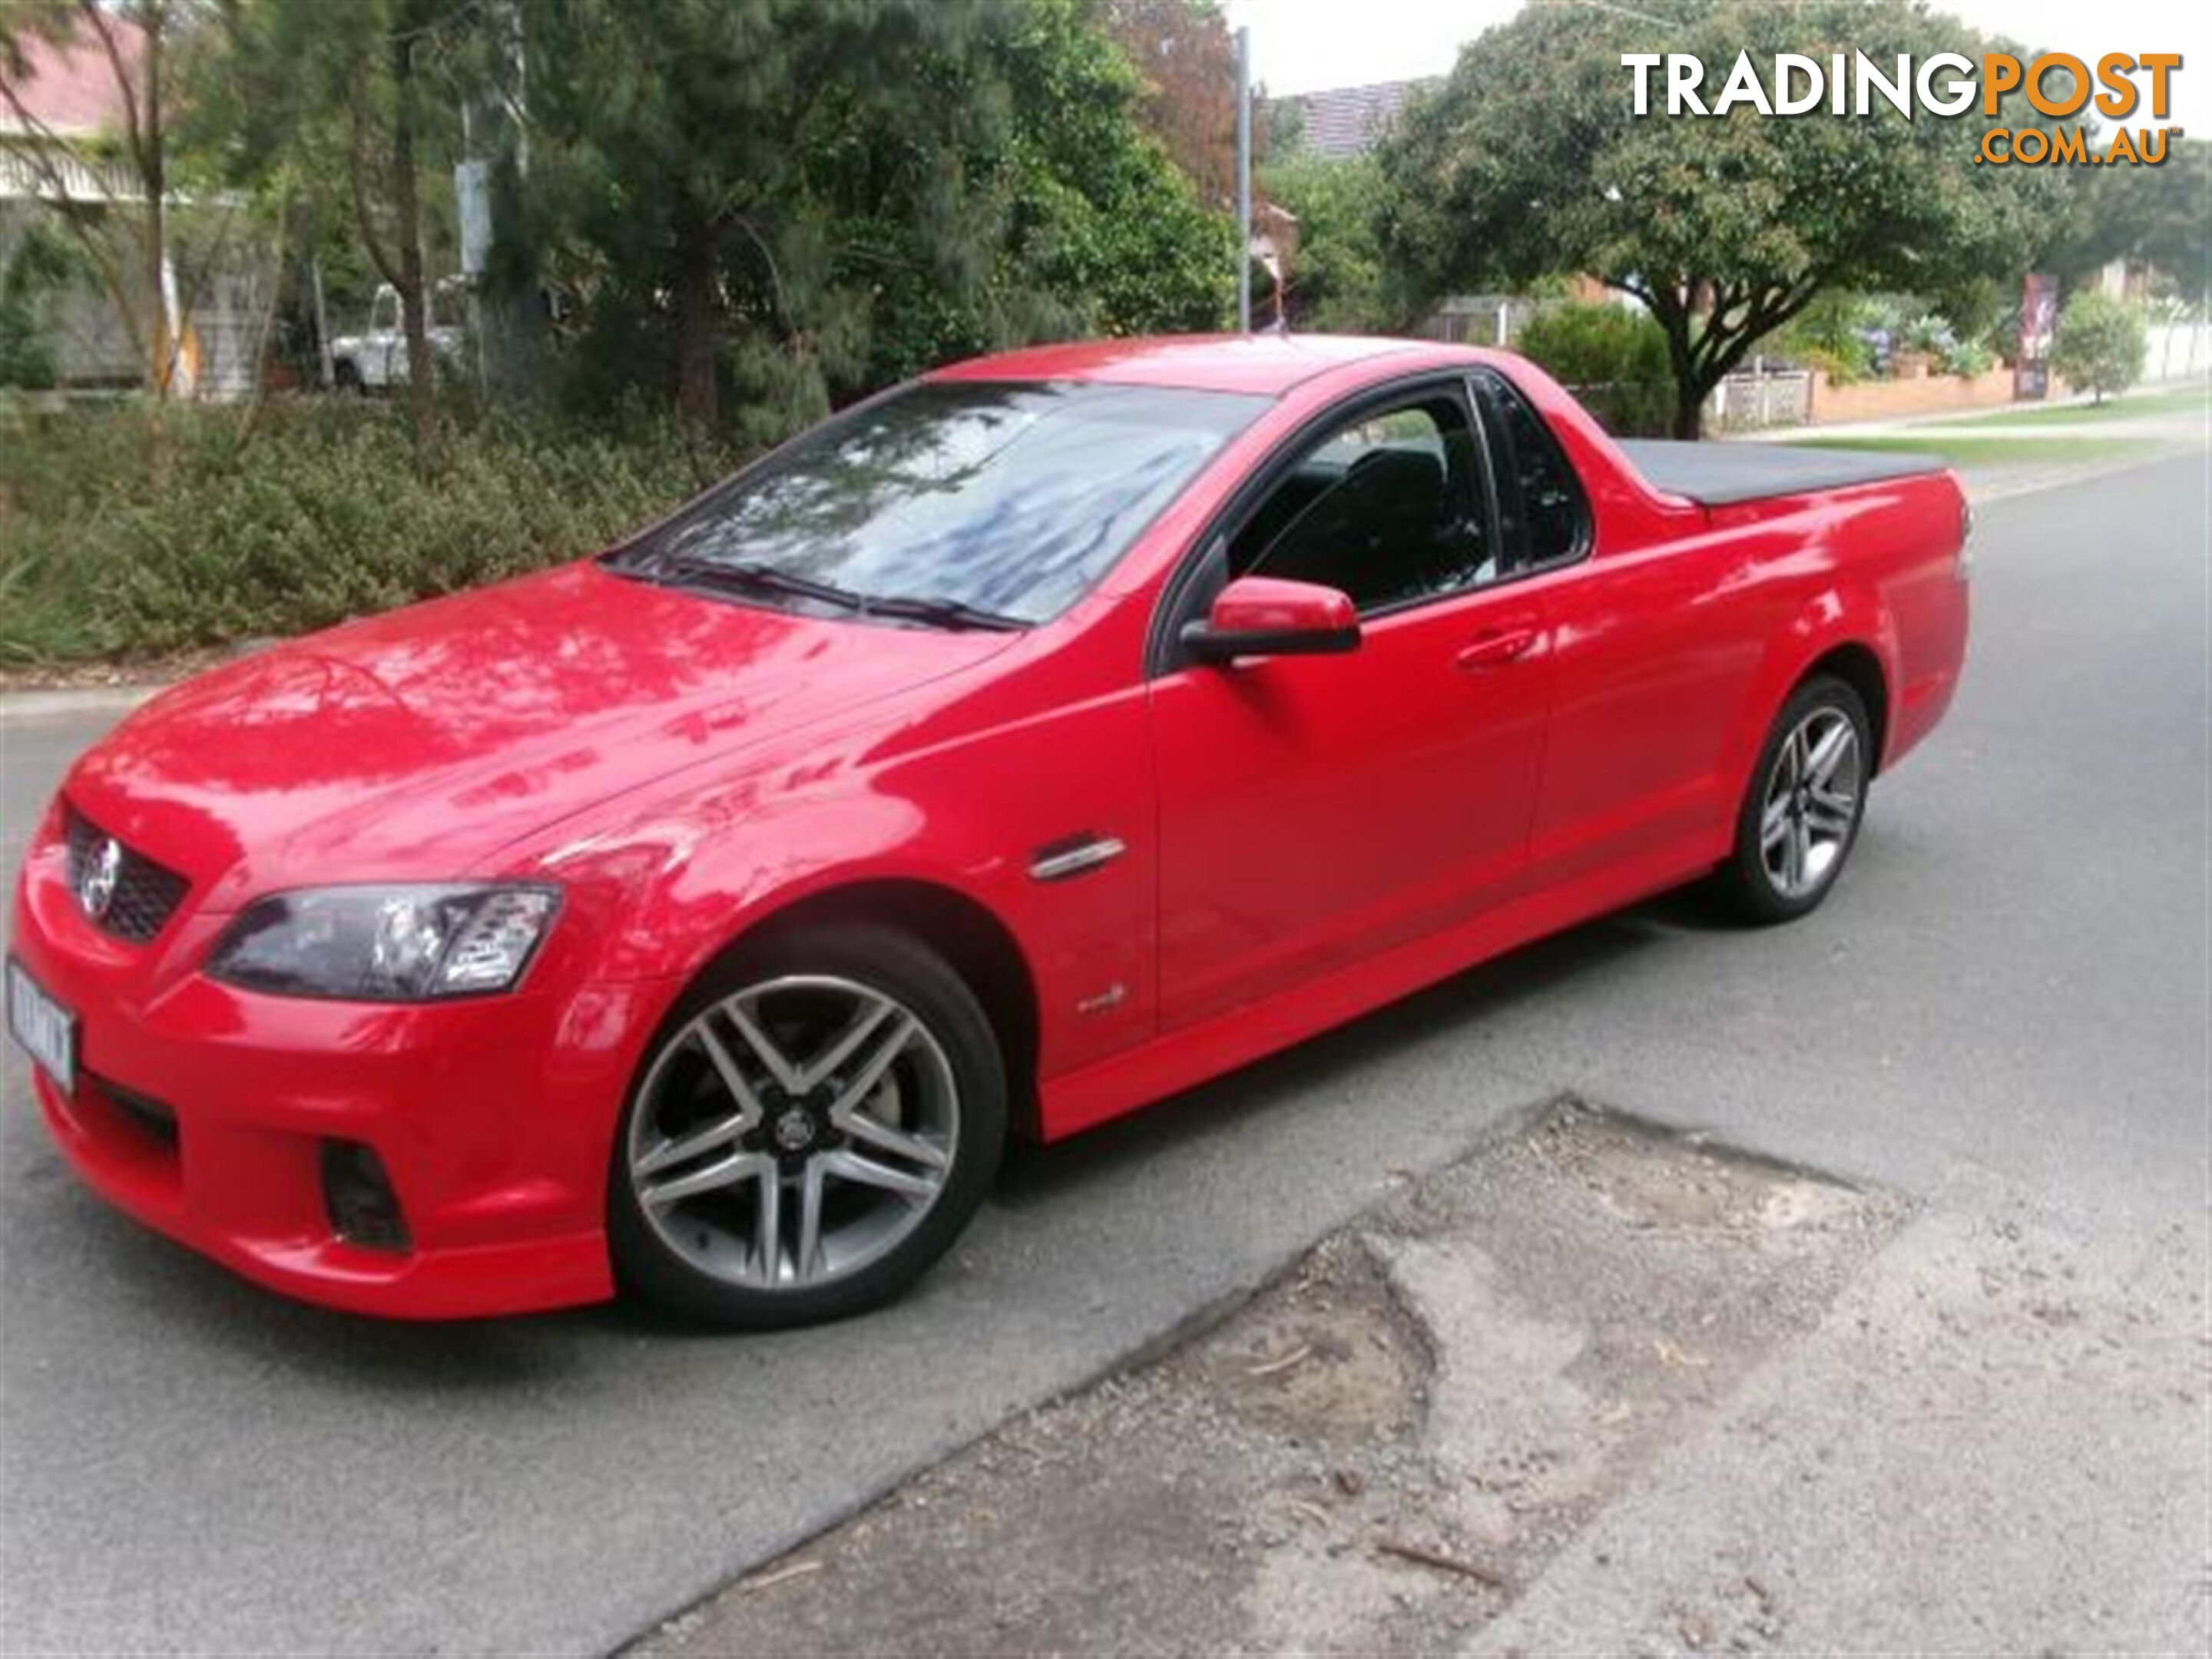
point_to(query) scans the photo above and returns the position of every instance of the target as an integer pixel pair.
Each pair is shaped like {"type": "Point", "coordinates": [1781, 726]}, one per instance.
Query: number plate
{"type": "Point", "coordinates": [46, 1029]}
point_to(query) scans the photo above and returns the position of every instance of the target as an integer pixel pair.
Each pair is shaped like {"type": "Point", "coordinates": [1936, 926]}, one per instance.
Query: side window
{"type": "Point", "coordinates": [1390, 509]}
{"type": "Point", "coordinates": [1541, 506]}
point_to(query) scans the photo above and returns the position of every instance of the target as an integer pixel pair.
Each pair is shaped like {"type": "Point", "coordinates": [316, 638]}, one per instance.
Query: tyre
{"type": "Point", "coordinates": [345, 378]}
{"type": "Point", "coordinates": [1802, 811]}
{"type": "Point", "coordinates": [815, 1123]}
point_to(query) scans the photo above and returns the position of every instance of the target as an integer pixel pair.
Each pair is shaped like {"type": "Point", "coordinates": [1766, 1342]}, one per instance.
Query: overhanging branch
{"type": "Point", "coordinates": [132, 132]}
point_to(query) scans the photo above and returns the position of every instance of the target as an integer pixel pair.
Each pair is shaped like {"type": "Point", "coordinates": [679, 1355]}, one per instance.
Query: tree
{"type": "Point", "coordinates": [2173, 231]}
{"type": "Point", "coordinates": [1335, 278]}
{"type": "Point", "coordinates": [336, 94]}
{"type": "Point", "coordinates": [110, 190]}
{"type": "Point", "coordinates": [797, 200]}
{"type": "Point", "coordinates": [2152, 217]}
{"type": "Point", "coordinates": [694, 156]}
{"type": "Point", "coordinates": [1106, 233]}
{"type": "Point", "coordinates": [2100, 343]}
{"type": "Point", "coordinates": [1529, 161]}
{"type": "Point", "coordinates": [1187, 56]}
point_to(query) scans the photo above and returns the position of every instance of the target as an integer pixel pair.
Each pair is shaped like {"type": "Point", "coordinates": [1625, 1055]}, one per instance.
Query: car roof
{"type": "Point", "coordinates": [1267, 364]}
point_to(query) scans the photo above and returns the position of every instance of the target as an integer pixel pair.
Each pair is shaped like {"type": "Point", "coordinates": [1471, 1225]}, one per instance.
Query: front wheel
{"type": "Point", "coordinates": [1801, 814]}
{"type": "Point", "coordinates": [817, 1122]}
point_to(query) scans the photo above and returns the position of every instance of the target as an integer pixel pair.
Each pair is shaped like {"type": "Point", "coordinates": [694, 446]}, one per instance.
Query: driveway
{"type": "Point", "coordinates": [2008, 989]}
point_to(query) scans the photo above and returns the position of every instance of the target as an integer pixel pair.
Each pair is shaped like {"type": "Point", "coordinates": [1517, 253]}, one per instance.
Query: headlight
{"type": "Point", "coordinates": [386, 944]}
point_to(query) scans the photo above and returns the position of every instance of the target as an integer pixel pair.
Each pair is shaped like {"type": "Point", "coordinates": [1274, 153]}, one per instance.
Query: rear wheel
{"type": "Point", "coordinates": [817, 1122]}
{"type": "Point", "coordinates": [1801, 815]}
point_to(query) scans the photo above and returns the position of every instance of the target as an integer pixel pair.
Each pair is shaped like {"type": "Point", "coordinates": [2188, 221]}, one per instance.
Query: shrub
{"type": "Point", "coordinates": [1931, 335]}
{"type": "Point", "coordinates": [1841, 367]}
{"type": "Point", "coordinates": [2100, 343]}
{"type": "Point", "coordinates": [1968, 357]}
{"type": "Point", "coordinates": [27, 358]}
{"type": "Point", "coordinates": [1834, 334]}
{"type": "Point", "coordinates": [106, 552]}
{"type": "Point", "coordinates": [1612, 358]}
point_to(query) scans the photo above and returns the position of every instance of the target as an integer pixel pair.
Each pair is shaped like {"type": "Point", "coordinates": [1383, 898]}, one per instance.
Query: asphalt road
{"type": "Point", "coordinates": [2010, 987]}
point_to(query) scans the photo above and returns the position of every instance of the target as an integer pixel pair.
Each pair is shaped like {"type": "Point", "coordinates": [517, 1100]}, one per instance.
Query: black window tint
{"type": "Point", "coordinates": [1540, 499]}
{"type": "Point", "coordinates": [1013, 498]}
{"type": "Point", "coordinates": [1388, 508]}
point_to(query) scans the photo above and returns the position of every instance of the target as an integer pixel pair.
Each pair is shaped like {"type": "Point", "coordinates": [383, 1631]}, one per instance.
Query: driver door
{"type": "Point", "coordinates": [1317, 809]}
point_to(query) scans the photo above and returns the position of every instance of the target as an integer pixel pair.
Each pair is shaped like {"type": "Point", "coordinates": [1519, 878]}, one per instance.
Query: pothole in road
{"type": "Point", "coordinates": [1376, 1452]}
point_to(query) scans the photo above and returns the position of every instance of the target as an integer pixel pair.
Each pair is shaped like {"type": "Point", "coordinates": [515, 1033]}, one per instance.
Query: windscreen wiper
{"type": "Point", "coordinates": [941, 613]}
{"type": "Point", "coordinates": [751, 577]}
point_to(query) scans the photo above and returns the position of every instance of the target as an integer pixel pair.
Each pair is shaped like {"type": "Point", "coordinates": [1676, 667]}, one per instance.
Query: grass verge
{"type": "Point", "coordinates": [2186, 400]}
{"type": "Point", "coordinates": [1991, 453]}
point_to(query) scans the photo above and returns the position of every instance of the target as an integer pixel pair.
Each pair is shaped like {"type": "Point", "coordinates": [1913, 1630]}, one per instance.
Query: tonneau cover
{"type": "Point", "coordinates": [1715, 474]}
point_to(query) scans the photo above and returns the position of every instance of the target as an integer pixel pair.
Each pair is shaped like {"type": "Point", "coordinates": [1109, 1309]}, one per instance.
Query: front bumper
{"type": "Point", "coordinates": [205, 1112]}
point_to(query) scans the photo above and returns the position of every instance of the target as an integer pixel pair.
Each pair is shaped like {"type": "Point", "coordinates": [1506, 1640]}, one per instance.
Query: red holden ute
{"type": "Point", "coordinates": [1015, 748]}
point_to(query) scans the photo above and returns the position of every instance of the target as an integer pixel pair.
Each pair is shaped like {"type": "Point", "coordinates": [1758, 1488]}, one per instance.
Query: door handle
{"type": "Point", "coordinates": [1496, 649]}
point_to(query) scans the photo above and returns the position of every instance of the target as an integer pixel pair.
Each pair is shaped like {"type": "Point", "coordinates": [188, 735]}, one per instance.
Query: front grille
{"type": "Point", "coordinates": [146, 894]}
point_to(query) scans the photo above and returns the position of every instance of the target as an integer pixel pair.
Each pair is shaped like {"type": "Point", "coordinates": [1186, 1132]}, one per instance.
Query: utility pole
{"type": "Point", "coordinates": [1244, 181]}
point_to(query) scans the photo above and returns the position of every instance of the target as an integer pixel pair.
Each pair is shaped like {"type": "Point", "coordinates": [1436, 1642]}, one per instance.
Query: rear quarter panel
{"type": "Point", "coordinates": [1876, 565]}
{"type": "Point", "coordinates": [1767, 586]}
{"type": "Point", "coordinates": [1675, 642]}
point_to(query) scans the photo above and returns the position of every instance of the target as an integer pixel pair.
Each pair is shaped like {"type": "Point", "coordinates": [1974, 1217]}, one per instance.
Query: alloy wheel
{"type": "Point", "coordinates": [1810, 807]}
{"type": "Point", "coordinates": [793, 1133]}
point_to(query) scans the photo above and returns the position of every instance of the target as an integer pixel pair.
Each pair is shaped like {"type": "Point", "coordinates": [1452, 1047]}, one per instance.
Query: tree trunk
{"type": "Point", "coordinates": [696, 393]}
{"type": "Point", "coordinates": [1689, 391]}
{"type": "Point", "coordinates": [1689, 410]}
{"type": "Point", "coordinates": [162, 341]}
{"type": "Point", "coordinates": [414, 310]}
{"type": "Point", "coordinates": [257, 398]}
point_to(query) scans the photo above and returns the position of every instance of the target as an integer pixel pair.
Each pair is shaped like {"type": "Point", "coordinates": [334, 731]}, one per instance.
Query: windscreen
{"type": "Point", "coordinates": [1008, 498]}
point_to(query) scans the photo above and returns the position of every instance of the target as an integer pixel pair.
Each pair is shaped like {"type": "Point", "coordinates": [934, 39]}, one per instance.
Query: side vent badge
{"type": "Point", "coordinates": [1073, 855]}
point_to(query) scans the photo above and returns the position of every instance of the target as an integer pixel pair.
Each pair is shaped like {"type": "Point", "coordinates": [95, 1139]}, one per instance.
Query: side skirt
{"type": "Point", "coordinates": [1123, 1083]}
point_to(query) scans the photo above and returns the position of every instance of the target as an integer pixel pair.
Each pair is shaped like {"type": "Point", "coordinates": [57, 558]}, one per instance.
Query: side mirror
{"type": "Point", "coordinates": [1267, 616]}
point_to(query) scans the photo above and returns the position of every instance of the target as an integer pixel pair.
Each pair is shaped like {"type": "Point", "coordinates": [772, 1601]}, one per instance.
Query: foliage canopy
{"type": "Point", "coordinates": [799, 200]}
{"type": "Point", "coordinates": [1338, 279]}
{"type": "Point", "coordinates": [1724, 226]}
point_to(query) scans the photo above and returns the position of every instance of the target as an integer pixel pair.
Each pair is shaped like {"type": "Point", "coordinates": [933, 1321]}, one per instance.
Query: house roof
{"type": "Point", "coordinates": [70, 90]}
{"type": "Point", "coordinates": [1340, 122]}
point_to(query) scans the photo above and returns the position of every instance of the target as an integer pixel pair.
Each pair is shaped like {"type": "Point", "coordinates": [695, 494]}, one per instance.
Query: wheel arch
{"type": "Point", "coordinates": [1842, 628]}
{"type": "Point", "coordinates": [1857, 665]}
{"type": "Point", "coordinates": [978, 946]}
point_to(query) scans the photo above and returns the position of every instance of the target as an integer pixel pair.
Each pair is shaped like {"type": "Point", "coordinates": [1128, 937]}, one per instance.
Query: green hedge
{"type": "Point", "coordinates": [112, 546]}
{"type": "Point", "coordinates": [1611, 357]}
